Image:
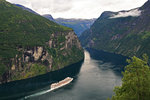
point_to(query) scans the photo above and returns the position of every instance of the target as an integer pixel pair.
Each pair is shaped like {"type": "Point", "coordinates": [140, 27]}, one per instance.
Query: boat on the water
{"type": "Point", "coordinates": [61, 83]}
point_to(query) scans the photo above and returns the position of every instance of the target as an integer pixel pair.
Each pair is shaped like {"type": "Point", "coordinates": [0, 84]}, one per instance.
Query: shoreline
{"type": "Point", "coordinates": [42, 74]}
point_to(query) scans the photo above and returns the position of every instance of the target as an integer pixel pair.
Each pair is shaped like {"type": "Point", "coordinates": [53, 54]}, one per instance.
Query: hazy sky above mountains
{"type": "Point", "coordinates": [78, 8]}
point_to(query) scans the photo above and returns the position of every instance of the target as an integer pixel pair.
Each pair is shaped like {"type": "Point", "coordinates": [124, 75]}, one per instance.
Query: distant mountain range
{"type": "Point", "coordinates": [123, 32]}
{"type": "Point", "coordinates": [78, 25]}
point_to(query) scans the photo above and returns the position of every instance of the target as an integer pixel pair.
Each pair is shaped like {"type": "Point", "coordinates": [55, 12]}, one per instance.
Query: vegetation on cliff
{"type": "Point", "coordinates": [29, 71]}
{"type": "Point", "coordinates": [27, 39]}
{"type": "Point", "coordinates": [126, 35]}
{"type": "Point", "coordinates": [135, 82]}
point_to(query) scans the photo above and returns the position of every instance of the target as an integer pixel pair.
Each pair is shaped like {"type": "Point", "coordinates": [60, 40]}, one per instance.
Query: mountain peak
{"type": "Point", "coordinates": [106, 14]}
{"type": "Point", "coordinates": [146, 5]}
{"type": "Point", "coordinates": [48, 16]}
{"type": "Point", "coordinates": [112, 33]}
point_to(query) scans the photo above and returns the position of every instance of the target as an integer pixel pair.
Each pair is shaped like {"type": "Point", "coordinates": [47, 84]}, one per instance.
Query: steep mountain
{"type": "Point", "coordinates": [31, 45]}
{"type": "Point", "coordinates": [124, 32]}
{"type": "Point", "coordinates": [78, 25]}
{"type": "Point", "coordinates": [48, 16]}
{"type": "Point", "coordinates": [27, 9]}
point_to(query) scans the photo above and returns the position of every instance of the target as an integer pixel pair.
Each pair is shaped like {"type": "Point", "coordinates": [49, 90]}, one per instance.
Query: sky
{"type": "Point", "coordinates": [84, 9]}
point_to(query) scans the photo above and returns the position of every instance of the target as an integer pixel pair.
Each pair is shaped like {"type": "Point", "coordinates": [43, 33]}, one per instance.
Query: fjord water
{"type": "Point", "coordinates": [94, 79]}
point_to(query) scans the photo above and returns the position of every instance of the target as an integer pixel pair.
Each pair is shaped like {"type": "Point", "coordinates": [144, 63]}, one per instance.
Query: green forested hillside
{"type": "Point", "coordinates": [27, 39]}
{"type": "Point", "coordinates": [21, 28]}
{"type": "Point", "coordinates": [128, 35]}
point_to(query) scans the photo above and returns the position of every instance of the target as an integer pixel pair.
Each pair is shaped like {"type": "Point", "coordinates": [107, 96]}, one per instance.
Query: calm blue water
{"type": "Point", "coordinates": [94, 79]}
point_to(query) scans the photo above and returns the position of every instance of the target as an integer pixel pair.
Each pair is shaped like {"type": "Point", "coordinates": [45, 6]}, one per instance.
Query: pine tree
{"type": "Point", "coordinates": [135, 82]}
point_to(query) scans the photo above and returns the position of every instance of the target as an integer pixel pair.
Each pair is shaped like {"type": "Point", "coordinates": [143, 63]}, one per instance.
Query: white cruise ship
{"type": "Point", "coordinates": [60, 83]}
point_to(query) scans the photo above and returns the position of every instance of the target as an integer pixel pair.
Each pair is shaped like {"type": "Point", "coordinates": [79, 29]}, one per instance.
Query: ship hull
{"type": "Point", "coordinates": [64, 84]}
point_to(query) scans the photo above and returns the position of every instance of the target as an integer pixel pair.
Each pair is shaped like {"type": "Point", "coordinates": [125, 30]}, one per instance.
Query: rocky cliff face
{"type": "Point", "coordinates": [58, 54]}
{"type": "Point", "coordinates": [32, 45]}
{"type": "Point", "coordinates": [123, 32]}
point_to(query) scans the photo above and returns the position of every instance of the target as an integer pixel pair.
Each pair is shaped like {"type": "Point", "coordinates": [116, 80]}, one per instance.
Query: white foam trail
{"type": "Point", "coordinates": [37, 94]}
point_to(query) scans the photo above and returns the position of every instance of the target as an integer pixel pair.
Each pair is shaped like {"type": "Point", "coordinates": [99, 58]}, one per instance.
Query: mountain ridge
{"type": "Point", "coordinates": [28, 9]}
{"type": "Point", "coordinates": [32, 45]}
{"type": "Point", "coordinates": [123, 32]}
{"type": "Point", "coordinates": [79, 25]}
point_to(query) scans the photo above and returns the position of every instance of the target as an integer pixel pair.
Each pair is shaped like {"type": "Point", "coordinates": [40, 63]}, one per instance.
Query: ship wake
{"type": "Point", "coordinates": [37, 94]}
{"type": "Point", "coordinates": [52, 87]}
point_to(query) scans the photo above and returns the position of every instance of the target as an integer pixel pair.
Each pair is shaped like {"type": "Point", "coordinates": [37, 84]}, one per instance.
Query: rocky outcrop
{"type": "Point", "coordinates": [31, 45]}
{"type": "Point", "coordinates": [59, 45]}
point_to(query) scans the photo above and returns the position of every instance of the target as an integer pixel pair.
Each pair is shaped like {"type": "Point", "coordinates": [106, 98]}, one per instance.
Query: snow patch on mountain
{"type": "Point", "coordinates": [133, 13]}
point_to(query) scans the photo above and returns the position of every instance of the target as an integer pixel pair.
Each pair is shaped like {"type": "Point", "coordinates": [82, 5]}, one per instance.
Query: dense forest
{"type": "Point", "coordinates": [31, 45]}
{"type": "Point", "coordinates": [135, 81]}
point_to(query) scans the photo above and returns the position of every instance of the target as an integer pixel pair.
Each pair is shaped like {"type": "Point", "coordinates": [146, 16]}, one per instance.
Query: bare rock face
{"type": "Point", "coordinates": [59, 47]}
{"type": "Point", "coordinates": [72, 39]}
{"type": "Point", "coordinates": [34, 54]}
{"type": "Point", "coordinates": [38, 53]}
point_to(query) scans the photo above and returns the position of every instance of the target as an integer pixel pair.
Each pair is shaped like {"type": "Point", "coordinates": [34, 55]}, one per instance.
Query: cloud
{"type": "Point", "coordinates": [46, 6]}
{"type": "Point", "coordinates": [53, 5]}
{"type": "Point", "coordinates": [78, 8]}
{"type": "Point", "coordinates": [133, 13]}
